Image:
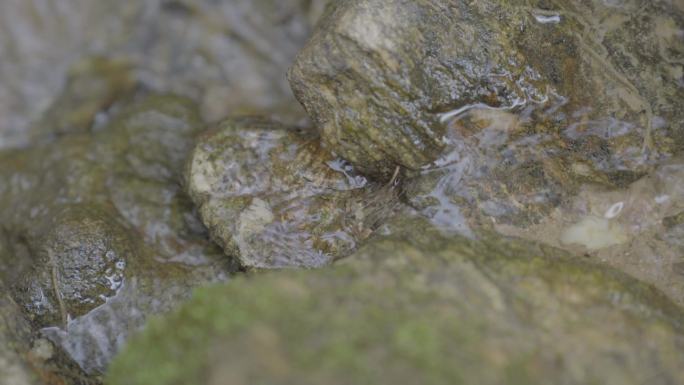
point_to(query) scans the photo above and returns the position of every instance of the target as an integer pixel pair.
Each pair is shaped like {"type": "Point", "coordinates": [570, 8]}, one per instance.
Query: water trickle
{"type": "Point", "coordinates": [550, 18]}
{"type": "Point", "coordinates": [455, 114]}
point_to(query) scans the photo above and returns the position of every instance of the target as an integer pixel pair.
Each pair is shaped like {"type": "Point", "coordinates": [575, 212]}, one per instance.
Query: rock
{"type": "Point", "coordinates": [425, 309]}
{"type": "Point", "coordinates": [26, 359]}
{"type": "Point", "coordinates": [79, 255]}
{"type": "Point", "coordinates": [227, 56]}
{"type": "Point", "coordinates": [92, 86]}
{"type": "Point", "coordinates": [14, 335]}
{"type": "Point", "coordinates": [633, 229]}
{"type": "Point", "coordinates": [134, 163]}
{"type": "Point", "coordinates": [673, 221]}
{"type": "Point", "coordinates": [150, 288]}
{"type": "Point", "coordinates": [499, 108]}
{"type": "Point", "coordinates": [354, 78]}
{"type": "Point", "coordinates": [100, 234]}
{"type": "Point", "coordinates": [270, 196]}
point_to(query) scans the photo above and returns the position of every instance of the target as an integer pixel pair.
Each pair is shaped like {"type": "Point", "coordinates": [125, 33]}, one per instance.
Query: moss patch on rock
{"type": "Point", "coordinates": [409, 309]}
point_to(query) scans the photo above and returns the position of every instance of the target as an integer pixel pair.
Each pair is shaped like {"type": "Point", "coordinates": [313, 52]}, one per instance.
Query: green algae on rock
{"type": "Point", "coordinates": [100, 230]}
{"type": "Point", "coordinates": [418, 308]}
{"type": "Point", "coordinates": [273, 198]}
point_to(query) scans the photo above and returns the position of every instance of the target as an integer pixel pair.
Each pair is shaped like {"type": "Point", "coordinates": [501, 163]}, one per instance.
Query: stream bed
{"type": "Point", "coordinates": [341, 192]}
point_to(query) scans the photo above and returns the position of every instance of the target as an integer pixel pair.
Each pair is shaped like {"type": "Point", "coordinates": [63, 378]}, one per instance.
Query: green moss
{"type": "Point", "coordinates": [405, 310]}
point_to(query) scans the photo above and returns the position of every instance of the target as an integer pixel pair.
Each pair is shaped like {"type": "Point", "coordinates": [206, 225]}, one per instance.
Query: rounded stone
{"type": "Point", "coordinates": [272, 197]}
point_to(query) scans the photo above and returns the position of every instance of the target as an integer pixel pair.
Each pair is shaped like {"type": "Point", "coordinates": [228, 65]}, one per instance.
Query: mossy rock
{"type": "Point", "coordinates": [79, 256]}
{"type": "Point", "coordinates": [498, 109]}
{"type": "Point", "coordinates": [421, 308]}
{"type": "Point", "coordinates": [28, 359]}
{"type": "Point", "coordinates": [97, 232]}
{"type": "Point", "coordinates": [381, 78]}
{"type": "Point", "coordinates": [92, 86]}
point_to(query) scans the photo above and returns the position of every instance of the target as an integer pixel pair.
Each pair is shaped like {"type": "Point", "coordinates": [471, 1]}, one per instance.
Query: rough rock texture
{"type": "Point", "coordinates": [272, 197]}
{"type": "Point", "coordinates": [418, 308]}
{"type": "Point", "coordinates": [79, 255]}
{"type": "Point", "coordinates": [27, 359]}
{"type": "Point", "coordinates": [100, 234]}
{"type": "Point", "coordinates": [216, 52]}
{"type": "Point", "coordinates": [499, 108]}
{"type": "Point", "coordinates": [637, 229]}
{"type": "Point", "coordinates": [479, 114]}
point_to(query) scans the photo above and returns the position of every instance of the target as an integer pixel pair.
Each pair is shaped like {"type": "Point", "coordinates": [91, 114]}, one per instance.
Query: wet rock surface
{"type": "Point", "coordinates": [100, 234]}
{"type": "Point", "coordinates": [524, 158]}
{"type": "Point", "coordinates": [636, 229]}
{"type": "Point", "coordinates": [28, 359]}
{"type": "Point", "coordinates": [272, 197]}
{"type": "Point", "coordinates": [499, 108]}
{"type": "Point", "coordinates": [79, 264]}
{"type": "Point", "coordinates": [440, 129]}
{"type": "Point", "coordinates": [93, 85]}
{"type": "Point", "coordinates": [424, 309]}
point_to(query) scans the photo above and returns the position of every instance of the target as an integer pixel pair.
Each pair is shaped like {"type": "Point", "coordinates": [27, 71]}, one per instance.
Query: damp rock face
{"type": "Point", "coordinates": [100, 234]}
{"type": "Point", "coordinates": [273, 198]}
{"type": "Point", "coordinates": [79, 259]}
{"type": "Point", "coordinates": [637, 229]}
{"type": "Point", "coordinates": [27, 359]}
{"type": "Point", "coordinates": [394, 82]}
{"type": "Point", "coordinates": [424, 308]}
{"type": "Point", "coordinates": [134, 164]}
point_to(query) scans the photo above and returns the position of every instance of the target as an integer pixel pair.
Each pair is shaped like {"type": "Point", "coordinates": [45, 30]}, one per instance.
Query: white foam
{"type": "Point", "coordinates": [614, 210]}
{"type": "Point", "coordinates": [548, 19]}
{"type": "Point", "coordinates": [594, 234]}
